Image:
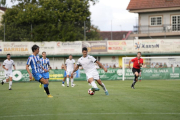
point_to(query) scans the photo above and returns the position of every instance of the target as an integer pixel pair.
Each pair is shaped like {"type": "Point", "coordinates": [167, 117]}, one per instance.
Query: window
{"type": "Point", "coordinates": [156, 21]}
{"type": "Point", "coordinates": [175, 22]}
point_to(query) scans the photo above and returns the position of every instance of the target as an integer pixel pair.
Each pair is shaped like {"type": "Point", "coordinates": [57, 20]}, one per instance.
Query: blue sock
{"type": "Point", "coordinates": [62, 82]}
{"type": "Point", "coordinates": [45, 85]}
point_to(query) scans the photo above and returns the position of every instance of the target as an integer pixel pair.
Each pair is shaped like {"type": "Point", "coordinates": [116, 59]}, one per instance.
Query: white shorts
{"type": "Point", "coordinates": [69, 72]}
{"type": "Point", "coordinates": [7, 75]}
{"type": "Point", "coordinates": [94, 75]}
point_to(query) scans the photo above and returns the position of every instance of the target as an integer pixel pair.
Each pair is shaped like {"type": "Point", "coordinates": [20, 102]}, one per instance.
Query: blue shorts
{"type": "Point", "coordinates": [64, 73]}
{"type": "Point", "coordinates": [45, 75]}
{"type": "Point", "coordinates": [37, 76]}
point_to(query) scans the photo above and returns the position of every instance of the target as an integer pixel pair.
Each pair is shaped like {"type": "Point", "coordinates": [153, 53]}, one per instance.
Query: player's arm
{"type": "Point", "coordinates": [4, 66]}
{"type": "Point", "coordinates": [27, 68]}
{"type": "Point", "coordinates": [29, 72]}
{"type": "Point", "coordinates": [14, 66]}
{"type": "Point", "coordinates": [140, 64]}
{"type": "Point", "coordinates": [101, 66]}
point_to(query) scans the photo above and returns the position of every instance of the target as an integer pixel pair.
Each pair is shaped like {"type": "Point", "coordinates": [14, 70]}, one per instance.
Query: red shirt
{"type": "Point", "coordinates": [135, 62]}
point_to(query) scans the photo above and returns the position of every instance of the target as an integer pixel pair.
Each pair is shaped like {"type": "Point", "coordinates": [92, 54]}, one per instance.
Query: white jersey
{"type": "Point", "coordinates": [87, 63]}
{"type": "Point", "coordinates": [8, 64]}
{"type": "Point", "coordinates": [70, 64]}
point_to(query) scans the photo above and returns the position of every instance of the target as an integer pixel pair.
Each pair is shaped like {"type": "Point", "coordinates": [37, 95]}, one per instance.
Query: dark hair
{"type": "Point", "coordinates": [8, 54]}
{"type": "Point", "coordinates": [138, 52]}
{"type": "Point", "coordinates": [84, 49]}
{"type": "Point", "coordinates": [43, 52]}
{"type": "Point", "coordinates": [34, 47]}
{"type": "Point", "coordinates": [70, 55]}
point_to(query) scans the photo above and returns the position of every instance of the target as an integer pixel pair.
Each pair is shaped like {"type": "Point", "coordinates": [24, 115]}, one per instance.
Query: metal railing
{"type": "Point", "coordinates": [145, 29]}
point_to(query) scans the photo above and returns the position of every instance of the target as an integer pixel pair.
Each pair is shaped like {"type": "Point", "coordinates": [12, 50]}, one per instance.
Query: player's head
{"type": "Point", "coordinates": [44, 54]}
{"type": "Point", "coordinates": [70, 57]}
{"type": "Point", "coordinates": [84, 51]}
{"type": "Point", "coordinates": [35, 49]}
{"type": "Point", "coordinates": [139, 54]}
{"type": "Point", "coordinates": [8, 56]}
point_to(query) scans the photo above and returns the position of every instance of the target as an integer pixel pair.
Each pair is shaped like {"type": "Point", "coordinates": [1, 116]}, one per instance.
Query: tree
{"type": "Point", "coordinates": [52, 20]}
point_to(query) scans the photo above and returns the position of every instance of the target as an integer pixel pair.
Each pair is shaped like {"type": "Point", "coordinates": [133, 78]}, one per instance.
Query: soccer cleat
{"type": "Point", "coordinates": [50, 96]}
{"type": "Point", "coordinates": [40, 85]}
{"type": "Point", "coordinates": [95, 89]}
{"type": "Point", "coordinates": [132, 87]}
{"type": "Point", "coordinates": [63, 85]}
{"type": "Point", "coordinates": [10, 89]}
{"type": "Point", "coordinates": [2, 82]}
{"type": "Point", "coordinates": [106, 93]}
{"type": "Point", "coordinates": [67, 85]}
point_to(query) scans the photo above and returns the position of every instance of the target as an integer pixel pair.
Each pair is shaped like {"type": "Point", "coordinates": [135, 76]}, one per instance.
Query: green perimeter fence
{"type": "Point", "coordinates": [112, 74]}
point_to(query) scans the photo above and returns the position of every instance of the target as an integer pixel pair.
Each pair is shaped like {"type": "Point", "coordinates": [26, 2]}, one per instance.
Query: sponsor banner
{"type": "Point", "coordinates": [68, 47]}
{"type": "Point", "coordinates": [112, 74]}
{"type": "Point", "coordinates": [157, 45]}
{"type": "Point", "coordinates": [95, 46]}
{"type": "Point", "coordinates": [120, 46]}
{"type": "Point", "coordinates": [18, 48]}
{"type": "Point", "coordinates": [48, 47]}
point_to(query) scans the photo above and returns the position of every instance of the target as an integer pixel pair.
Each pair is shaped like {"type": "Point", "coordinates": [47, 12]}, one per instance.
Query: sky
{"type": "Point", "coordinates": [106, 12]}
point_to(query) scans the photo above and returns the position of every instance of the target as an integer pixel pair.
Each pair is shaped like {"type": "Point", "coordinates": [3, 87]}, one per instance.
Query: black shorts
{"type": "Point", "coordinates": [135, 70]}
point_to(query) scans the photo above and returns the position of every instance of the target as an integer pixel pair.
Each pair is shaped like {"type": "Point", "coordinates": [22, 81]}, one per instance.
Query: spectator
{"type": "Point", "coordinates": [107, 66]}
{"type": "Point", "coordinates": [177, 65]}
{"type": "Point", "coordinates": [120, 67]}
{"type": "Point", "coordinates": [157, 65]}
{"type": "Point", "coordinates": [110, 66]}
{"type": "Point", "coordinates": [164, 66]}
{"type": "Point", "coordinates": [62, 66]}
{"type": "Point", "coordinates": [114, 66]}
{"type": "Point", "coordinates": [144, 66]}
{"type": "Point", "coordinates": [56, 68]}
{"type": "Point", "coordinates": [152, 65]}
{"type": "Point", "coordinates": [160, 66]}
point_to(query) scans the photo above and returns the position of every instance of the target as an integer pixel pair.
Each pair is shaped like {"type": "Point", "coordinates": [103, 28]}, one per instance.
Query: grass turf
{"type": "Point", "coordinates": [151, 100]}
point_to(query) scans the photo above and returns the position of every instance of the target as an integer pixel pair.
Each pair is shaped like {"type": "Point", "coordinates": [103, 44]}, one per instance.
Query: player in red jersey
{"type": "Point", "coordinates": [137, 64]}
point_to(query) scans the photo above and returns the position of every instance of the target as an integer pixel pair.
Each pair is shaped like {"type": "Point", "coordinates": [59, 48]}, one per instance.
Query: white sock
{"type": "Point", "coordinates": [72, 81]}
{"type": "Point", "coordinates": [94, 84]}
{"type": "Point", "coordinates": [67, 81]}
{"type": "Point", "coordinates": [104, 87]}
{"type": "Point", "coordinates": [4, 81]}
{"type": "Point", "coordinates": [10, 84]}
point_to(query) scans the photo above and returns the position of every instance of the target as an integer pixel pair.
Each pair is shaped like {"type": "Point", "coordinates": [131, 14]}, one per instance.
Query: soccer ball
{"type": "Point", "coordinates": [90, 92]}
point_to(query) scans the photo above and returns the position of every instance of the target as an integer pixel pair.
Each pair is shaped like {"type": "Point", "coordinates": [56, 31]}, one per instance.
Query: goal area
{"type": "Point", "coordinates": [154, 68]}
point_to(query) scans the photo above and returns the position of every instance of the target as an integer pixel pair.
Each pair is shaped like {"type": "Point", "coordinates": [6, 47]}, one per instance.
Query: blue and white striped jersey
{"type": "Point", "coordinates": [35, 63]}
{"type": "Point", "coordinates": [45, 63]}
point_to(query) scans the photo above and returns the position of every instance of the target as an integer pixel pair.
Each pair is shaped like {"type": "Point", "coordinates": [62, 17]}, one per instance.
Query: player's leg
{"type": "Point", "coordinates": [103, 86]}
{"type": "Point", "coordinates": [46, 84]}
{"type": "Point", "coordinates": [64, 79]}
{"type": "Point", "coordinates": [136, 74]}
{"type": "Point", "coordinates": [10, 83]}
{"type": "Point", "coordinates": [67, 79]}
{"type": "Point", "coordinates": [6, 79]}
{"type": "Point", "coordinates": [92, 82]}
{"type": "Point", "coordinates": [72, 80]}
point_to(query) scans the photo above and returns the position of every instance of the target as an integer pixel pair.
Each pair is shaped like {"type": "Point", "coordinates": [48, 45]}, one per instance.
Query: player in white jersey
{"type": "Point", "coordinates": [69, 67]}
{"type": "Point", "coordinates": [7, 66]}
{"type": "Point", "coordinates": [87, 62]}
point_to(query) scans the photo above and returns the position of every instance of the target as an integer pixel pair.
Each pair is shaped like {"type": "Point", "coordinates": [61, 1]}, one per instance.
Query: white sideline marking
{"type": "Point", "coordinates": [91, 114]}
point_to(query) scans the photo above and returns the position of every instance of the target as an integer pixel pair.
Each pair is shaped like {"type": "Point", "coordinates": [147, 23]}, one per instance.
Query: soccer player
{"type": "Point", "coordinates": [137, 64]}
{"type": "Point", "coordinates": [35, 63]}
{"type": "Point", "coordinates": [69, 67]}
{"type": "Point", "coordinates": [45, 67]}
{"type": "Point", "coordinates": [87, 62]}
{"type": "Point", "coordinates": [7, 66]}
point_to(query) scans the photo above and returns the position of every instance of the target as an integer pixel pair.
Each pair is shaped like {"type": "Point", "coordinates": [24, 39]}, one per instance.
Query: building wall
{"type": "Point", "coordinates": [144, 20]}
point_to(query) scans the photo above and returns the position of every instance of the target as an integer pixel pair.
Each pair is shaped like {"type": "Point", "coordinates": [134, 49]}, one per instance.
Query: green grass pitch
{"type": "Point", "coordinates": [151, 100]}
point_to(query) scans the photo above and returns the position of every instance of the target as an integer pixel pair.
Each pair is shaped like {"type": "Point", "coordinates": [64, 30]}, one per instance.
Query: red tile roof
{"type": "Point", "coordinates": [116, 35]}
{"type": "Point", "coordinates": [3, 8]}
{"type": "Point", "coordinates": [150, 4]}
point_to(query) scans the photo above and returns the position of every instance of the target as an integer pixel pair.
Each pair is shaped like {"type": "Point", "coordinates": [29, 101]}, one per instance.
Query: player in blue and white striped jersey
{"type": "Point", "coordinates": [35, 63]}
{"type": "Point", "coordinates": [45, 67]}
